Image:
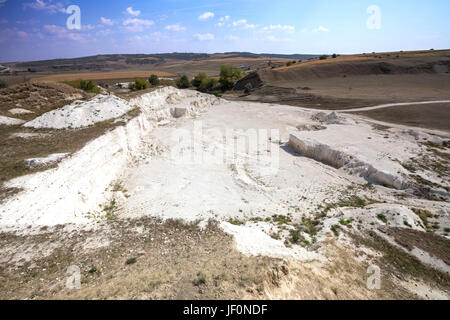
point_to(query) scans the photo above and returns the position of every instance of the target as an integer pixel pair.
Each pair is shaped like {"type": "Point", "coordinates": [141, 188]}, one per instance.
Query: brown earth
{"type": "Point", "coordinates": [149, 259]}
{"type": "Point", "coordinates": [358, 81]}
{"type": "Point", "coordinates": [38, 98]}
{"type": "Point", "coordinates": [18, 143]}
{"type": "Point", "coordinates": [431, 116]}
{"type": "Point", "coordinates": [102, 76]}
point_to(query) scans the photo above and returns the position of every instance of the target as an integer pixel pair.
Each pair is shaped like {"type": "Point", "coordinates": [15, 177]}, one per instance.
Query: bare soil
{"type": "Point", "coordinates": [432, 116]}
{"type": "Point", "coordinates": [149, 259]}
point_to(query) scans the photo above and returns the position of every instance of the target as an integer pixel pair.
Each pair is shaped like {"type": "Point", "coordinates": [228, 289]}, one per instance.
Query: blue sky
{"type": "Point", "coordinates": [36, 29]}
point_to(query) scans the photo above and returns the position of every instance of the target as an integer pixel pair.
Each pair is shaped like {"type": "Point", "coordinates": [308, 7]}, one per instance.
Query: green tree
{"type": "Point", "coordinates": [207, 84]}
{"type": "Point", "coordinates": [248, 88]}
{"type": "Point", "coordinates": [3, 84]}
{"type": "Point", "coordinates": [199, 79]}
{"type": "Point", "coordinates": [141, 84]}
{"type": "Point", "coordinates": [154, 80]}
{"type": "Point", "coordinates": [183, 82]}
{"type": "Point", "coordinates": [228, 76]}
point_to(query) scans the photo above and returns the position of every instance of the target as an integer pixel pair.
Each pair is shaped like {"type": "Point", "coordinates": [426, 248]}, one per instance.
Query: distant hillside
{"type": "Point", "coordinates": [123, 61]}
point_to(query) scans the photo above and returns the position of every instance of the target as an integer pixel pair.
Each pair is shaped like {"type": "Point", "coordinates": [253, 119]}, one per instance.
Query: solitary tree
{"type": "Point", "coordinates": [141, 84]}
{"type": "Point", "coordinates": [154, 80]}
{"type": "Point", "coordinates": [248, 88]}
{"type": "Point", "coordinates": [183, 82]}
{"type": "Point", "coordinates": [228, 76]}
{"type": "Point", "coordinates": [198, 79]}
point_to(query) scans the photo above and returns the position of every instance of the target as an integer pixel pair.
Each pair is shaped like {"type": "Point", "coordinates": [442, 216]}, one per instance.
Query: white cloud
{"type": "Point", "coordinates": [87, 27]}
{"type": "Point", "coordinates": [232, 38]}
{"type": "Point", "coordinates": [243, 23]}
{"type": "Point", "coordinates": [175, 27]}
{"type": "Point", "coordinates": [62, 33]}
{"type": "Point", "coordinates": [137, 25]}
{"type": "Point", "coordinates": [223, 21]}
{"type": "Point", "coordinates": [155, 36]}
{"type": "Point", "coordinates": [22, 34]}
{"type": "Point", "coordinates": [105, 32]}
{"type": "Point", "coordinates": [48, 7]}
{"type": "Point", "coordinates": [280, 27]}
{"type": "Point", "coordinates": [132, 12]}
{"type": "Point", "coordinates": [321, 29]}
{"type": "Point", "coordinates": [106, 21]}
{"type": "Point", "coordinates": [204, 37]}
{"type": "Point", "coordinates": [206, 16]}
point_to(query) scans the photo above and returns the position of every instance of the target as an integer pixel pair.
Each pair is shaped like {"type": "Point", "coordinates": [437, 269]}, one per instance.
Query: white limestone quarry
{"type": "Point", "coordinates": [7, 121]}
{"type": "Point", "coordinates": [317, 167]}
{"type": "Point", "coordinates": [45, 161]}
{"type": "Point", "coordinates": [20, 111]}
{"type": "Point", "coordinates": [79, 184]}
{"type": "Point", "coordinates": [359, 150]}
{"type": "Point", "coordinates": [81, 114]}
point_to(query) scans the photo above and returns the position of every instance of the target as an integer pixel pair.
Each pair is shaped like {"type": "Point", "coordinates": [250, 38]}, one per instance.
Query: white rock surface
{"type": "Point", "coordinates": [19, 111]}
{"type": "Point", "coordinates": [81, 114]}
{"type": "Point", "coordinates": [7, 121]}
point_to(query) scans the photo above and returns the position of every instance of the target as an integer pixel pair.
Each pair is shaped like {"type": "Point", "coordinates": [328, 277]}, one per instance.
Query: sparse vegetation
{"type": "Point", "coordinates": [424, 215]}
{"type": "Point", "coordinates": [345, 222]}
{"type": "Point", "coordinates": [131, 261]}
{"type": "Point", "coordinates": [228, 76]}
{"type": "Point", "coordinates": [335, 230]}
{"type": "Point", "coordinates": [236, 222]}
{"type": "Point", "coordinates": [3, 84]}
{"type": "Point", "coordinates": [111, 210]}
{"type": "Point", "coordinates": [139, 84]}
{"type": "Point", "coordinates": [382, 218]}
{"type": "Point", "coordinates": [183, 82]}
{"type": "Point", "coordinates": [85, 85]}
{"type": "Point", "coordinates": [154, 80]}
{"type": "Point", "coordinates": [248, 88]}
{"type": "Point", "coordinates": [201, 279]}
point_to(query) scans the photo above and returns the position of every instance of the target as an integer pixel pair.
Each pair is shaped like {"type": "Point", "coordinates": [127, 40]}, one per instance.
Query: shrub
{"type": "Point", "coordinates": [324, 57]}
{"type": "Point", "coordinates": [334, 56]}
{"type": "Point", "coordinates": [248, 88]}
{"type": "Point", "coordinates": [207, 84]}
{"type": "Point", "coordinates": [154, 80]}
{"type": "Point", "coordinates": [141, 84]}
{"type": "Point", "coordinates": [289, 64]}
{"type": "Point", "coordinates": [198, 79]}
{"type": "Point", "coordinates": [86, 85]}
{"type": "Point", "coordinates": [228, 76]}
{"type": "Point", "coordinates": [3, 84]}
{"type": "Point", "coordinates": [183, 82]}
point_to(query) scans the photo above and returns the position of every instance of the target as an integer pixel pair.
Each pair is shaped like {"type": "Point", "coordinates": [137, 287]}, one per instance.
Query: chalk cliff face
{"type": "Point", "coordinates": [341, 160]}
{"type": "Point", "coordinates": [80, 183]}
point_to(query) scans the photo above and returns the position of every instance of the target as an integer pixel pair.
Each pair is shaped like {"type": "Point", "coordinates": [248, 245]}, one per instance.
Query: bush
{"type": "Point", "coordinates": [154, 80]}
{"type": "Point", "coordinates": [248, 88]}
{"type": "Point", "coordinates": [324, 57]}
{"type": "Point", "coordinates": [207, 84]}
{"type": "Point", "coordinates": [228, 76]}
{"type": "Point", "coordinates": [198, 79]}
{"type": "Point", "coordinates": [334, 55]}
{"type": "Point", "coordinates": [140, 84]}
{"type": "Point", "coordinates": [289, 64]}
{"type": "Point", "coordinates": [183, 82]}
{"type": "Point", "coordinates": [3, 84]}
{"type": "Point", "coordinates": [86, 85]}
